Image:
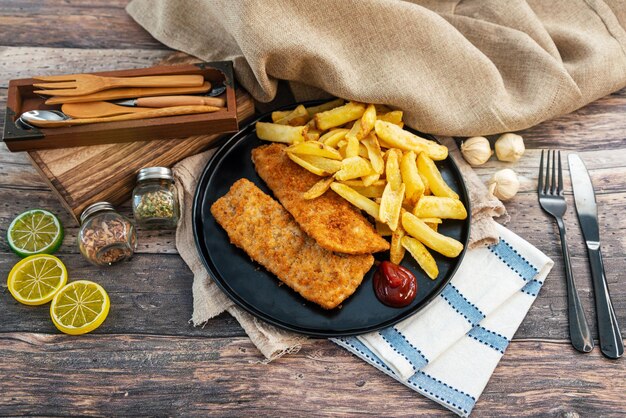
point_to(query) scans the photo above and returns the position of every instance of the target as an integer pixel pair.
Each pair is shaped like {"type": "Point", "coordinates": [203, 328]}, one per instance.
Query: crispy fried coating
{"type": "Point", "coordinates": [333, 222]}
{"type": "Point", "coordinates": [261, 227]}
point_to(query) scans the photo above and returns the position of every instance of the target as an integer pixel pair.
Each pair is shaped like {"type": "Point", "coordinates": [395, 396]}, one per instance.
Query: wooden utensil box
{"type": "Point", "coordinates": [21, 99]}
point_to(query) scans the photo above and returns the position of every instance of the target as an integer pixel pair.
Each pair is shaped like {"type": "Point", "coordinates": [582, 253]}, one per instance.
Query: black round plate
{"type": "Point", "coordinates": [259, 292]}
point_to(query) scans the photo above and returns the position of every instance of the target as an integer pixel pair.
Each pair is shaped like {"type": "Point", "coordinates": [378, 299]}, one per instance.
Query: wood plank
{"type": "Point", "coordinates": [23, 62]}
{"type": "Point", "coordinates": [157, 375]}
{"type": "Point", "coordinates": [72, 24]}
{"type": "Point", "coordinates": [149, 295]}
{"type": "Point", "coordinates": [152, 294]}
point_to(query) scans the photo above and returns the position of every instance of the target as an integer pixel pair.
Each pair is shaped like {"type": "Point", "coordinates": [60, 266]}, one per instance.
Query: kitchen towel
{"type": "Point", "coordinates": [448, 351]}
{"type": "Point", "coordinates": [456, 67]}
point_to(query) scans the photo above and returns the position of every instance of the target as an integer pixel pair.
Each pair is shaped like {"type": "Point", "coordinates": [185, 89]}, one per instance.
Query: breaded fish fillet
{"type": "Point", "coordinates": [261, 227]}
{"type": "Point", "coordinates": [333, 222]}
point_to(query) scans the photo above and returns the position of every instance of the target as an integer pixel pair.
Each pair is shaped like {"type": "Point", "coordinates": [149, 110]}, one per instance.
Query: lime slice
{"type": "Point", "coordinates": [36, 279]}
{"type": "Point", "coordinates": [35, 231]}
{"type": "Point", "coordinates": [79, 307]}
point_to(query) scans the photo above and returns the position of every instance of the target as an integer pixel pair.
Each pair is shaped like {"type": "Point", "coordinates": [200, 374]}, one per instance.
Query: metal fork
{"type": "Point", "coordinates": [552, 200]}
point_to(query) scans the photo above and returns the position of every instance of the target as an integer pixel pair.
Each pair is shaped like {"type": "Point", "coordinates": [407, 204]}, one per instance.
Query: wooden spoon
{"type": "Point", "coordinates": [98, 109]}
{"type": "Point", "coordinates": [151, 113]}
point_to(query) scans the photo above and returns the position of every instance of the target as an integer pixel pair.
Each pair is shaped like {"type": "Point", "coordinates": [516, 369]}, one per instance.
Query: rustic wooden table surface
{"type": "Point", "coordinates": [146, 359]}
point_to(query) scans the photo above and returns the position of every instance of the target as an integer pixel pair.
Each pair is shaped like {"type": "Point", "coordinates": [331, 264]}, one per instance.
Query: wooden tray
{"type": "Point", "coordinates": [80, 176]}
{"type": "Point", "coordinates": [21, 98]}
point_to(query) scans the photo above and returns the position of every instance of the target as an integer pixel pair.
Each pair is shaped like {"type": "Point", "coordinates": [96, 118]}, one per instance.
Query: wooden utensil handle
{"type": "Point", "coordinates": [155, 113]}
{"type": "Point", "coordinates": [192, 80]}
{"type": "Point", "coordinates": [168, 101]}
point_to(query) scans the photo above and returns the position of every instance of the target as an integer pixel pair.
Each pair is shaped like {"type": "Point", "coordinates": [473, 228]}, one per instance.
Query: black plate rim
{"type": "Point", "coordinates": [223, 149]}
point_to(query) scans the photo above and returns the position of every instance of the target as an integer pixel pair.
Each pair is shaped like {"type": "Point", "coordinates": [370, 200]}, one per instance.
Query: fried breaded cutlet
{"type": "Point", "coordinates": [333, 222]}
{"type": "Point", "coordinates": [261, 227]}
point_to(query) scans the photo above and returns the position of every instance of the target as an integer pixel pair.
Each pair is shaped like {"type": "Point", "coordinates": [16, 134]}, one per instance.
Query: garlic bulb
{"type": "Point", "coordinates": [504, 184]}
{"type": "Point", "coordinates": [476, 150]}
{"type": "Point", "coordinates": [510, 147]}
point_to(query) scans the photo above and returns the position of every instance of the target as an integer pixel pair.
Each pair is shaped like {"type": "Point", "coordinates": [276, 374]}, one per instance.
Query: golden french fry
{"type": "Point", "coordinates": [436, 183]}
{"type": "Point", "coordinates": [354, 167]}
{"type": "Point", "coordinates": [352, 149]}
{"type": "Point", "coordinates": [392, 169]}
{"type": "Point", "coordinates": [332, 137]}
{"type": "Point", "coordinates": [315, 148]}
{"type": "Point", "coordinates": [339, 115]}
{"type": "Point", "coordinates": [440, 207]}
{"type": "Point", "coordinates": [312, 136]}
{"type": "Point", "coordinates": [422, 256]}
{"type": "Point", "coordinates": [396, 250]}
{"type": "Point", "coordinates": [431, 220]}
{"type": "Point", "coordinates": [367, 121]}
{"type": "Point", "coordinates": [374, 153]}
{"type": "Point", "coordinates": [410, 177]}
{"type": "Point", "coordinates": [397, 137]}
{"type": "Point", "coordinates": [307, 165]}
{"type": "Point", "coordinates": [298, 117]}
{"type": "Point", "coordinates": [363, 152]}
{"type": "Point", "coordinates": [383, 229]}
{"type": "Point", "coordinates": [369, 180]}
{"type": "Point", "coordinates": [426, 186]}
{"type": "Point", "coordinates": [358, 200]}
{"type": "Point", "coordinates": [326, 164]}
{"type": "Point", "coordinates": [416, 228]}
{"type": "Point", "coordinates": [372, 191]}
{"type": "Point", "coordinates": [432, 226]}
{"type": "Point", "coordinates": [280, 133]}
{"type": "Point", "coordinates": [279, 114]}
{"type": "Point", "coordinates": [391, 205]}
{"type": "Point", "coordinates": [359, 183]}
{"type": "Point", "coordinates": [394, 117]}
{"type": "Point", "coordinates": [318, 188]}
{"type": "Point", "coordinates": [324, 106]}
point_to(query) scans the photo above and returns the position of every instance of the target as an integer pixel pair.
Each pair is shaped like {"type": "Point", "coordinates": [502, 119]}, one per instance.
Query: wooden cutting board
{"type": "Point", "coordinates": [80, 176]}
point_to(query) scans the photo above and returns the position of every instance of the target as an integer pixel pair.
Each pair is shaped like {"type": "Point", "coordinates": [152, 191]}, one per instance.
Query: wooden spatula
{"type": "Point", "coordinates": [152, 113]}
{"type": "Point", "coordinates": [79, 84]}
{"type": "Point", "coordinates": [98, 110]}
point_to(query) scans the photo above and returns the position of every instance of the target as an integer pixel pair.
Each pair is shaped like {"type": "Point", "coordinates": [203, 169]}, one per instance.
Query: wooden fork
{"type": "Point", "coordinates": [80, 84]}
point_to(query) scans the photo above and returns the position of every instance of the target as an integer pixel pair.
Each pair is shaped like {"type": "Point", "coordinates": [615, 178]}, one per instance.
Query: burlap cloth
{"type": "Point", "coordinates": [465, 68]}
{"type": "Point", "coordinates": [472, 67]}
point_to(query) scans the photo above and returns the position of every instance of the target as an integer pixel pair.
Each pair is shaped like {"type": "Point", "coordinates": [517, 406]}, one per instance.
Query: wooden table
{"type": "Point", "coordinates": [147, 359]}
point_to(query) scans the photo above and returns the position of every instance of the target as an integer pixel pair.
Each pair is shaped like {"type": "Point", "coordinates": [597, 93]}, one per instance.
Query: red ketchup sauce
{"type": "Point", "coordinates": [394, 285]}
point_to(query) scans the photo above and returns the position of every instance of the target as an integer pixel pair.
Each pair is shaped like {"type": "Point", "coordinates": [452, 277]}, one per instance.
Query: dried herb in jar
{"type": "Point", "coordinates": [105, 236]}
{"type": "Point", "coordinates": [157, 204]}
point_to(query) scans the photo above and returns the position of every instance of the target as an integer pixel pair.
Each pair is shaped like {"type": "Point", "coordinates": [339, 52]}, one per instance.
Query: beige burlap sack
{"type": "Point", "coordinates": [472, 67]}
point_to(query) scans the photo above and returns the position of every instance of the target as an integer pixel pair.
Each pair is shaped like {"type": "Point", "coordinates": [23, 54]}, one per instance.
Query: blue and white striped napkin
{"type": "Point", "coordinates": [448, 351]}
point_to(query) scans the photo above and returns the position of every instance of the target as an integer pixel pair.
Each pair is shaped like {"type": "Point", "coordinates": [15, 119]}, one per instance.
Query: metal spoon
{"type": "Point", "coordinates": [39, 115]}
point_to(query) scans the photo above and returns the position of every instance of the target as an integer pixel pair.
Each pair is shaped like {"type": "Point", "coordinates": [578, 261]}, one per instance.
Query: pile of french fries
{"type": "Point", "coordinates": [363, 154]}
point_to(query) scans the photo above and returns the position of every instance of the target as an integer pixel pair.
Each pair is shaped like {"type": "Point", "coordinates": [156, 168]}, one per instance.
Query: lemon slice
{"type": "Point", "coordinates": [79, 307]}
{"type": "Point", "coordinates": [36, 279]}
{"type": "Point", "coordinates": [35, 231]}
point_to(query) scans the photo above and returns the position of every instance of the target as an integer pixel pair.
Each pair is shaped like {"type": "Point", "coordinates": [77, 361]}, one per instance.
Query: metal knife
{"type": "Point", "coordinates": [611, 343]}
{"type": "Point", "coordinates": [170, 101]}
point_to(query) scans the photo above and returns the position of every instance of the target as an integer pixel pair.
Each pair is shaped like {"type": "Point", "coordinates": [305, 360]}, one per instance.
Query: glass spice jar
{"type": "Point", "coordinates": [155, 203]}
{"type": "Point", "coordinates": [105, 236]}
